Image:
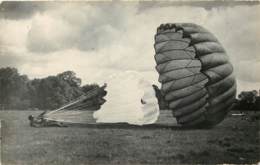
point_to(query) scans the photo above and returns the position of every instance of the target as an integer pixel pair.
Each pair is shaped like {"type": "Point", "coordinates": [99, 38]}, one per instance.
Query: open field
{"type": "Point", "coordinates": [235, 140]}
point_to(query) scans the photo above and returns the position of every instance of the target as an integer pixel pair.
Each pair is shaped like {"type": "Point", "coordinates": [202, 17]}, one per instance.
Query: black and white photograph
{"type": "Point", "coordinates": [129, 82]}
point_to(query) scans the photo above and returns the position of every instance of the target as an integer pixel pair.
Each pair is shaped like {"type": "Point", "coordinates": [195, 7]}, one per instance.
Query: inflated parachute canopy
{"type": "Point", "coordinates": [196, 76]}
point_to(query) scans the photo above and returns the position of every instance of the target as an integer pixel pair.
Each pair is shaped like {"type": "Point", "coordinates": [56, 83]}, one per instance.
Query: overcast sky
{"type": "Point", "coordinates": [99, 39]}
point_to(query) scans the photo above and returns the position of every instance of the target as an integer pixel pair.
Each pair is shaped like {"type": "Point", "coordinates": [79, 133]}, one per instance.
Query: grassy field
{"type": "Point", "coordinates": [235, 140]}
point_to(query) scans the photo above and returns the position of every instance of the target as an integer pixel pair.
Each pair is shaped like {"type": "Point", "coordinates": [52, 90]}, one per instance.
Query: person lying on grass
{"type": "Point", "coordinates": [40, 121]}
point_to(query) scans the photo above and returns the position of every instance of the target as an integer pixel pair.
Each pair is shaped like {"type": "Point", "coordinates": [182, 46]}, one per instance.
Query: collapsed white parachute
{"type": "Point", "coordinates": [130, 99]}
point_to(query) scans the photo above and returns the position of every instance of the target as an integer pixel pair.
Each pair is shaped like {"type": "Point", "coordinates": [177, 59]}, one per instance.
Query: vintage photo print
{"type": "Point", "coordinates": [129, 82]}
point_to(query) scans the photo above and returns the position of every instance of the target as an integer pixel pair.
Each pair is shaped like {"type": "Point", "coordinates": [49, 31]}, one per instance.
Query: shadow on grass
{"type": "Point", "coordinates": [129, 126]}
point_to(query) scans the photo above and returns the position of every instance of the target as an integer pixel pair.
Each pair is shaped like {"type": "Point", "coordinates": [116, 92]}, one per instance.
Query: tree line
{"type": "Point", "coordinates": [248, 100]}
{"type": "Point", "coordinates": [18, 92]}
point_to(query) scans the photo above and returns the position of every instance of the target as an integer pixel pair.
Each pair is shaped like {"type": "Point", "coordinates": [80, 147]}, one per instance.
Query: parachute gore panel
{"type": "Point", "coordinates": [196, 76]}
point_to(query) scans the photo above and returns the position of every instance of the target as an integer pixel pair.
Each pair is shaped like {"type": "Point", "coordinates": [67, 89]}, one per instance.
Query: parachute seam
{"type": "Point", "coordinates": [178, 68]}
{"type": "Point", "coordinates": [185, 95]}
{"type": "Point", "coordinates": [192, 81]}
{"type": "Point", "coordinates": [187, 86]}
{"type": "Point", "coordinates": [191, 105]}
{"type": "Point", "coordinates": [231, 90]}
{"type": "Point", "coordinates": [219, 88]}
{"type": "Point", "coordinates": [183, 77]}
{"type": "Point", "coordinates": [189, 63]}
{"type": "Point", "coordinates": [205, 39]}
{"type": "Point", "coordinates": [158, 42]}
{"type": "Point", "coordinates": [208, 54]}
{"type": "Point", "coordinates": [217, 65]}
{"type": "Point", "coordinates": [220, 76]}
{"type": "Point", "coordinates": [196, 87]}
{"type": "Point", "coordinates": [222, 80]}
{"type": "Point", "coordinates": [182, 68]}
{"type": "Point", "coordinates": [215, 110]}
{"type": "Point", "coordinates": [175, 60]}
{"type": "Point", "coordinates": [172, 84]}
{"type": "Point", "coordinates": [186, 119]}
{"type": "Point", "coordinates": [214, 67]}
{"type": "Point", "coordinates": [193, 100]}
{"type": "Point", "coordinates": [189, 69]}
{"type": "Point", "coordinates": [166, 33]}
{"type": "Point", "coordinates": [169, 59]}
{"type": "Point", "coordinates": [175, 49]}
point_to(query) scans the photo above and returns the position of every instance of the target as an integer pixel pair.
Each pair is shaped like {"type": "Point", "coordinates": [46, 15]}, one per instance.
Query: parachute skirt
{"type": "Point", "coordinates": [196, 76]}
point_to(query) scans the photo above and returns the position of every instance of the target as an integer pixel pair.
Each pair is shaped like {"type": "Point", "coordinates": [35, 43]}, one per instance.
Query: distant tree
{"type": "Point", "coordinates": [13, 89]}
{"type": "Point", "coordinates": [248, 96]}
{"type": "Point", "coordinates": [33, 86]}
{"type": "Point", "coordinates": [70, 77]}
{"type": "Point", "coordinates": [55, 91]}
{"type": "Point", "coordinates": [247, 100]}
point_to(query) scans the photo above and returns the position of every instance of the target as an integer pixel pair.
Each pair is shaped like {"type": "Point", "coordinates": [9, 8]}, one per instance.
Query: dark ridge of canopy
{"type": "Point", "coordinates": [196, 101]}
